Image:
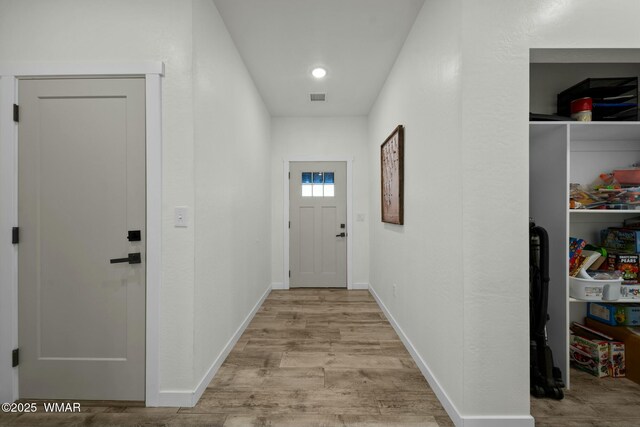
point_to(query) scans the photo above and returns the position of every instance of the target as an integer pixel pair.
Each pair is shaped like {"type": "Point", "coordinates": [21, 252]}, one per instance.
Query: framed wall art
{"type": "Point", "coordinates": [392, 177]}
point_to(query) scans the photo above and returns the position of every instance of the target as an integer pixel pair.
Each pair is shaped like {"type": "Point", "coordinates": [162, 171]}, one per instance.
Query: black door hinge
{"type": "Point", "coordinates": [15, 357]}
{"type": "Point", "coordinates": [289, 175]}
{"type": "Point", "coordinates": [15, 235]}
{"type": "Point", "coordinates": [289, 273]}
{"type": "Point", "coordinates": [16, 113]}
{"type": "Point", "coordinates": [289, 224]}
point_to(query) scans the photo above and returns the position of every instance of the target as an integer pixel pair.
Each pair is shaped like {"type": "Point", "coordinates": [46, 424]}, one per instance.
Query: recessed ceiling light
{"type": "Point", "coordinates": [319, 72]}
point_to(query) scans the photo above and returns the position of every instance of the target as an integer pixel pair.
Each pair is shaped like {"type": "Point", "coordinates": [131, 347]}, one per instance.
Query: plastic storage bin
{"type": "Point", "coordinates": [627, 176]}
{"type": "Point", "coordinates": [595, 290]}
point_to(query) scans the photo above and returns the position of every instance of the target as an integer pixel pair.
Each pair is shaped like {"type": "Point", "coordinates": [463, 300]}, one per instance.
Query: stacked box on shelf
{"type": "Point", "coordinates": [621, 239]}
{"type": "Point", "coordinates": [614, 99]}
{"type": "Point", "coordinates": [623, 247]}
{"type": "Point", "coordinates": [615, 314]}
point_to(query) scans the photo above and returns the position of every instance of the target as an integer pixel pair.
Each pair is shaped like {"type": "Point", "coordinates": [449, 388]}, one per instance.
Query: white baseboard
{"type": "Point", "coordinates": [278, 286]}
{"type": "Point", "coordinates": [499, 421]}
{"type": "Point", "coordinates": [359, 286]}
{"type": "Point", "coordinates": [455, 415]}
{"type": "Point", "coordinates": [189, 398]}
{"type": "Point", "coordinates": [175, 398]}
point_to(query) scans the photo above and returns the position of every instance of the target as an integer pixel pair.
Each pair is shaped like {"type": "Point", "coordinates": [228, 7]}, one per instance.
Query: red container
{"type": "Point", "coordinates": [627, 176]}
{"type": "Point", "coordinates": [581, 109]}
{"type": "Point", "coordinates": [582, 104]}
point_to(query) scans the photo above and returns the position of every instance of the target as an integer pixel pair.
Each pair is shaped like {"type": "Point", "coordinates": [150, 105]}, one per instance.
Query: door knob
{"type": "Point", "coordinates": [133, 258]}
{"type": "Point", "coordinates": [341, 235]}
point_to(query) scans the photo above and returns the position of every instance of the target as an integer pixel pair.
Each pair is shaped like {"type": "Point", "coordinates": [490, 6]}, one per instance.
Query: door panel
{"type": "Point", "coordinates": [306, 241]}
{"type": "Point", "coordinates": [318, 207]}
{"type": "Point", "coordinates": [330, 227]}
{"type": "Point", "coordinates": [81, 188]}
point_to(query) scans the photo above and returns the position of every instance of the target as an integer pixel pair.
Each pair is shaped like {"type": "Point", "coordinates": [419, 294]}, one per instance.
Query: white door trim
{"type": "Point", "coordinates": [285, 187]}
{"type": "Point", "coordinates": [9, 74]}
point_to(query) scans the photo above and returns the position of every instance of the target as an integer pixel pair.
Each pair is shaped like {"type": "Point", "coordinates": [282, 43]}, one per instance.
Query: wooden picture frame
{"type": "Point", "coordinates": [392, 177]}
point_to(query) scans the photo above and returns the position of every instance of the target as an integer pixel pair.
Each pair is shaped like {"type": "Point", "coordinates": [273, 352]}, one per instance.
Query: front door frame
{"type": "Point", "coordinates": [152, 71]}
{"type": "Point", "coordinates": [286, 234]}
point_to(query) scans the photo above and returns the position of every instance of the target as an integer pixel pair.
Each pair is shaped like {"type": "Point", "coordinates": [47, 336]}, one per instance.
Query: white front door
{"type": "Point", "coordinates": [318, 214]}
{"type": "Point", "coordinates": [81, 262]}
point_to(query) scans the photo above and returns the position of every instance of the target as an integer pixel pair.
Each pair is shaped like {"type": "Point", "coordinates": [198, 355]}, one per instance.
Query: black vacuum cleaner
{"type": "Point", "coordinates": [546, 379]}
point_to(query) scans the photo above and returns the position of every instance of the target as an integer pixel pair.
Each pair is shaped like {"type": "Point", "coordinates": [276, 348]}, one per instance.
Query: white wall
{"type": "Point", "coordinates": [424, 257]}
{"type": "Point", "coordinates": [121, 30]}
{"type": "Point", "coordinates": [495, 147]}
{"type": "Point", "coordinates": [209, 283]}
{"type": "Point", "coordinates": [321, 138]}
{"type": "Point", "coordinates": [461, 87]}
{"type": "Point", "coordinates": [232, 188]}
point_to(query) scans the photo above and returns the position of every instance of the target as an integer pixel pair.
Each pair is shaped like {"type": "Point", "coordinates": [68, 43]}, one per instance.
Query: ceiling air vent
{"type": "Point", "coordinates": [318, 97]}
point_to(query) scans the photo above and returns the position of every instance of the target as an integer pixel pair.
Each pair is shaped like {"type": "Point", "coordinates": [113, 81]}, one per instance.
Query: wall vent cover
{"type": "Point", "coordinates": [318, 97]}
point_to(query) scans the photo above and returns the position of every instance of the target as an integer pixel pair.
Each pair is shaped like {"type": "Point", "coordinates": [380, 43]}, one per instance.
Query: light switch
{"type": "Point", "coordinates": [181, 218]}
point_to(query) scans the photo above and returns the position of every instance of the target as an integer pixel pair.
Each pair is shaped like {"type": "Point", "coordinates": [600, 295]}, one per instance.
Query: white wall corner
{"type": "Point", "coordinates": [359, 286]}
{"type": "Point", "coordinates": [189, 398]}
{"type": "Point", "coordinates": [279, 286]}
{"type": "Point", "coordinates": [453, 412]}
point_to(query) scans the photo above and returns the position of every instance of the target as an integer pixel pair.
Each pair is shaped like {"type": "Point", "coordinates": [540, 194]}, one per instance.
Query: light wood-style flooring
{"type": "Point", "coordinates": [329, 357]}
{"type": "Point", "coordinates": [310, 357]}
{"type": "Point", "coordinates": [591, 402]}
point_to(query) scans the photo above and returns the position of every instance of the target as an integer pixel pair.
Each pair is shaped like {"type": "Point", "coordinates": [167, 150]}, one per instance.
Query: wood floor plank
{"type": "Point", "coordinates": [339, 360]}
{"type": "Point", "coordinates": [326, 317]}
{"type": "Point", "coordinates": [283, 345]}
{"type": "Point", "coordinates": [331, 421]}
{"type": "Point", "coordinates": [351, 334]}
{"type": "Point", "coordinates": [254, 359]}
{"type": "Point", "coordinates": [8, 418]}
{"type": "Point", "coordinates": [52, 420]}
{"type": "Point", "coordinates": [294, 334]}
{"type": "Point", "coordinates": [355, 346]}
{"type": "Point", "coordinates": [283, 402]}
{"type": "Point", "coordinates": [277, 324]}
{"type": "Point", "coordinates": [568, 407]}
{"type": "Point", "coordinates": [269, 379]}
{"type": "Point", "coordinates": [413, 407]}
{"type": "Point", "coordinates": [173, 420]}
{"type": "Point", "coordinates": [375, 379]}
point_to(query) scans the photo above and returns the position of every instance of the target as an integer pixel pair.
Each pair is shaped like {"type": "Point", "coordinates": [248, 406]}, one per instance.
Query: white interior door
{"type": "Point", "coordinates": [81, 164]}
{"type": "Point", "coordinates": [318, 214]}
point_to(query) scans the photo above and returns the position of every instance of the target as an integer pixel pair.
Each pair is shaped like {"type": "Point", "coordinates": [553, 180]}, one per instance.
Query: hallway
{"type": "Point", "coordinates": [321, 357]}
{"type": "Point", "coordinates": [310, 357]}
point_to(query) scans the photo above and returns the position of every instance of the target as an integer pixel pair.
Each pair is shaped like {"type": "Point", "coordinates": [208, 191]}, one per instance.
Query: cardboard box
{"type": "Point", "coordinates": [617, 360]}
{"type": "Point", "coordinates": [631, 338]}
{"type": "Point", "coordinates": [616, 355]}
{"type": "Point", "coordinates": [591, 356]}
{"type": "Point", "coordinates": [630, 291]}
{"type": "Point", "coordinates": [627, 264]}
{"type": "Point", "coordinates": [615, 314]}
{"type": "Point", "coordinates": [621, 239]}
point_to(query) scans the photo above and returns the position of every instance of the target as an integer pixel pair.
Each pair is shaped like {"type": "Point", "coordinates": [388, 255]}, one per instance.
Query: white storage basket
{"type": "Point", "coordinates": [594, 290]}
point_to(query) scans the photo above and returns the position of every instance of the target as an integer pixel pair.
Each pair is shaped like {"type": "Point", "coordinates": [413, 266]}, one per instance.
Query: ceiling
{"type": "Point", "coordinates": [281, 41]}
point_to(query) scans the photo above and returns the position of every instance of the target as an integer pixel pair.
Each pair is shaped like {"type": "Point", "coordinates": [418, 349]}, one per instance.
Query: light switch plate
{"type": "Point", "coordinates": [181, 217]}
